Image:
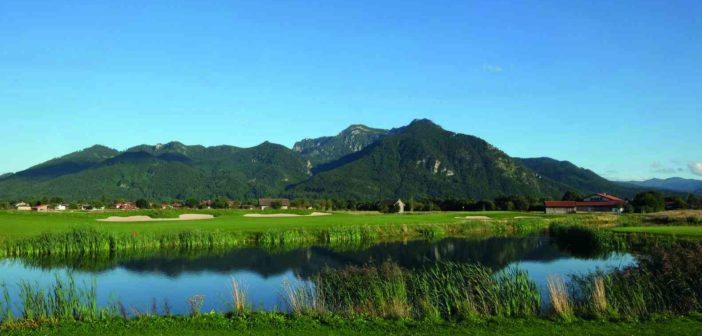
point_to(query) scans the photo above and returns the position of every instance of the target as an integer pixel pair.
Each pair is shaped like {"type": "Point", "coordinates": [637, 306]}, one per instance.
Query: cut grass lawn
{"type": "Point", "coordinates": [276, 324]}
{"type": "Point", "coordinates": [686, 231]}
{"type": "Point", "coordinates": [26, 233]}
{"type": "Point", "coordinates": [14, 224]}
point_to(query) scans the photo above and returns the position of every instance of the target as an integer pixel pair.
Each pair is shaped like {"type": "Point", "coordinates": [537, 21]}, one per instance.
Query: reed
{"type": "Point", "coordinates": [560, 300]}
{"type": "Point", "coordinates": [195, 303]}
{"type": "Point", "coordinates": [665, 281]}
{"type": "Point", "coordinates": [62, 300]}
{"type": "Point", "coordinates": [374, 291]}
{"type": "Point", "coordinates": [599, 296]}
{"type": "Point", "coordinates": [239, 296]}
{"type": "Point", "coordinates": [302, 298]}
{"type": "Point", "coordinates": [5, 305]}
{"type": "Point", "coordinates": [445, 291]}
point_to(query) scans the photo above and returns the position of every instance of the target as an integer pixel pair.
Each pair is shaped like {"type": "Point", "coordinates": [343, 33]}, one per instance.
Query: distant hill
{"type": "Point", "coordinates": [418, 160]}
{"type": "Point", "coordinates": [330, 148]}
{"type": "Point", "coordinates": [424, 160]}
{"type": "Point", "coordinates": [576, 178]}
{"type": "Point", "coordinates": [165, 172]}
{"type": "Point", "coordinates": [674, 183]}
{"type": "Point", "coordinates": [70, 163]}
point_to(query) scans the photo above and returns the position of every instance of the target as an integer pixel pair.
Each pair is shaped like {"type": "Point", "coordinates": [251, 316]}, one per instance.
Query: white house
{"type": "Point", "coordinates": [21, 206]}
{"type": "Point", "coordinates": [265, 203]}
{"type": "Point", "coordinates": [60, 207]}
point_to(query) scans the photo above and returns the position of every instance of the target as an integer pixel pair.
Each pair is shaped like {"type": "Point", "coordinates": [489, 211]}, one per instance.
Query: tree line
{"type": "Point", "coordinates": [507, 203]}
{"type": "Point", "coordinates": [643, 202]}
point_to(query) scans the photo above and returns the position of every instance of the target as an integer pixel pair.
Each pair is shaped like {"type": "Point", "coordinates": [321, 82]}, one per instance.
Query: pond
{"type": "Point", "coordinates": [139, 281]}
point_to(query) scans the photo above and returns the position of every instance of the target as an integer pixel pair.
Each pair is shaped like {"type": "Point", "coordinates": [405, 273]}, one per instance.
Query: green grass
{"type": "Point", "coordinates": [24, 233]}
{"type": "Point", "coordinates": [278, 324]}
{"type": "Point", "coordinates": [15, 224]}
{"type": "Point", "coordinates": [685, 231]}
{"type": "Point", "coordinates": [446, 291]}
{"type": "Point", "coordinates": [445, 298]}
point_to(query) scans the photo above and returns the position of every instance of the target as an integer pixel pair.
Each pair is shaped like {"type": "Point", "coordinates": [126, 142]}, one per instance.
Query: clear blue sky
{"type": "Point", "coordinates": [612, 86]}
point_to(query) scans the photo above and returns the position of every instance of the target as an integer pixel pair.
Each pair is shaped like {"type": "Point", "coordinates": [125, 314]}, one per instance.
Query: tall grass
{"type": "Point", "coordinates": [560, 300]}
{"type": "Point", "coordinates": [62, 300]}
{"type": "Point", "coordinates": [86, 241]}
{"type": "Point", "coordinates": [239, 296]}
{"type": "Point", "coordinates": [375, 291]}
{"type": "Point", "coordinates": [444, 291]}
{"type": "Point", "coordinates": [665, 281]}
{"type": "Point", "coordinates": [599, 296]}
{"type": "Point", "coordinates": [6, 305]}
{"type": "Point", "coordinates": [195, 303]}
{"type": "Point", "coordinates": [302, 298]}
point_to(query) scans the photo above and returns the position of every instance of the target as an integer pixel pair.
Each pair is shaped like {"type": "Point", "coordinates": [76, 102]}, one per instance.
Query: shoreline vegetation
{"type": "Point", "coordinates": [59, 234]}
{"type": "Point", "coordinates": [662, 287]}
{"type": "Point", "coordinates": [37, 234]}
{"type": "Point", "coordinates": [281, 324]}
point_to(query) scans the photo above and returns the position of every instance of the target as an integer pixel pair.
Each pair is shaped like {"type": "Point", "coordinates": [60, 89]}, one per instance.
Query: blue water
{"type": "Point", "coordinates": [137, 282]}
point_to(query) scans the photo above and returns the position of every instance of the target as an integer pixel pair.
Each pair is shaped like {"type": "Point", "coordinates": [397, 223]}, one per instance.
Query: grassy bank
{"type": "Point", "coordinates": [80, 233]}
{"type": "Point", "coordinates": [277, 324]}
{"type": "Point", "coordinates": [17, 225]}
{"type": "Point", "coordinates": [663, 282]}
{"type": "Point", "coordinates": [660, 295]}
{"type": "Point", "coordinates": [385, 298]}
{"type": "Point", "coordinates": [683, 231]}
{"type": "Point", "coordinates": [683, 223]}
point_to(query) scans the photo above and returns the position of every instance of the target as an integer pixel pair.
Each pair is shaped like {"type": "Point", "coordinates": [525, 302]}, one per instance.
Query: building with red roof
{"type": "Point", "coordinates": [265, 203]}
{"type": "Point", "coordinates": [41, 208]}
{"type": "Point", "coordinates": [125, 205]}
{"type": "Point", "coordinates": [600, 202]}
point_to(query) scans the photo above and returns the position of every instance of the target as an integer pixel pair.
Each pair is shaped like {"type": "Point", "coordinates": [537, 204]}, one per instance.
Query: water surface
{"type": "Point", "coordinates": [138, 281]}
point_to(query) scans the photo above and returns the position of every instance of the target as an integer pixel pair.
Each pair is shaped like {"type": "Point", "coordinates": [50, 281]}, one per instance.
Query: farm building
{"type": "Point", "coordinates": [125, 205]}
{"type": "Point", "coordinates": [265, 203]}
{"type": "Point", "coordinates": [90, 207]}
{"type": "Point", "coordinates": [600, 202]}
{"type": "Point", "coordinates": [40, 208]}
{"type": "Point", "coordinates": [21, 206]}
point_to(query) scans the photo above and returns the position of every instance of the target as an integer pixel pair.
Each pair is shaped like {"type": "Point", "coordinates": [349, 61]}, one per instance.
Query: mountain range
{"type": "Point", "coordinates": [674, 183]}
{"type": "Point", "coordinates": [417, 160]}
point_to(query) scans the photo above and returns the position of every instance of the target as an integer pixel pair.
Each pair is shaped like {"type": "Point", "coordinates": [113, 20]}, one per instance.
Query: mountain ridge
{"type": "Point", "coordinates": [678, 184]}
{"type": "Point", "coordinates": [429, 162]}
{"type": "Point", "coordinates": [420, 159]}
{"type": "Point", "coordinates": [328, 148]}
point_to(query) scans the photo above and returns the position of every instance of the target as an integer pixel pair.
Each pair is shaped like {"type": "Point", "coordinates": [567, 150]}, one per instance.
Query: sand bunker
{"type": "Point", "coordinates": [475, 217]}
{"type": "Point", "coordinates": [526, 217]}
{"type": "Point", "coordinates": [149, 219]}
{"type": "Point", "coordinates": [314, 214]}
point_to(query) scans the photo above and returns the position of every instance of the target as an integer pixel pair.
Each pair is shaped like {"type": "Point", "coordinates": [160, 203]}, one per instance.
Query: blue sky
{"type": "Point", "coordinates": [611, 86]}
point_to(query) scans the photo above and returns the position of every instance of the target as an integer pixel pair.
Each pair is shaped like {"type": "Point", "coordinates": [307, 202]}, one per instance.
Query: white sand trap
{"type": "Point", "coordinates": [475, 217]}
{"type": "Point", "coordinates": [149, 219]}
{"type": "Point", "coordinates": [314, 214]}
{"type": "Point", "coordinates": [194, 217]}
{"type": "Point", "coordinates": [524, 217]}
